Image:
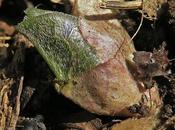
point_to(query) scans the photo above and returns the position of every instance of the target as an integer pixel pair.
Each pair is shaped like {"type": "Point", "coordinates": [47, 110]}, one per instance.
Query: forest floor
{"type": "Point", "coordinates": [27, 95]}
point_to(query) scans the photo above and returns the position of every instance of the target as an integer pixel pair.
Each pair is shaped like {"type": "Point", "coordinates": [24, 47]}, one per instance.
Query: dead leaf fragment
{"type": "Point", "coordinates": [146, 123]}
{"type": "Point", "coordinates": [150, 64]}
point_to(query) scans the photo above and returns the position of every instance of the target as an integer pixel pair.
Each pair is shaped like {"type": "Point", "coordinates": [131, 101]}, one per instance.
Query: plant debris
{"type": "Point", "coordinates": [150, 65]}
{"type": "Point", "coordinates": [149, 8]}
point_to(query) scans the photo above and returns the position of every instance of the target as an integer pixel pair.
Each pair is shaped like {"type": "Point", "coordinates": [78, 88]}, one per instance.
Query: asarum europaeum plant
{"type": "Point", "coordinates": [92, 59]}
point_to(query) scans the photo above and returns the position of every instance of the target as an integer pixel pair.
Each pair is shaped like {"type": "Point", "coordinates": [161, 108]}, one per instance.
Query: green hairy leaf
{"type": "Point", "coordinates": [58, 39]}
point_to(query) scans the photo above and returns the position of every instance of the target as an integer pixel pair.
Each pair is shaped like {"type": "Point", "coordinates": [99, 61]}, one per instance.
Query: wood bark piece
{"type": "Point", "coordinates": [9, 110]}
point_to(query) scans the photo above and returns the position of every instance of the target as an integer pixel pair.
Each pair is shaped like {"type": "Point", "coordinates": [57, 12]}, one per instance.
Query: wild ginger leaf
{"type": "Point", "coordinates": [58, 39]}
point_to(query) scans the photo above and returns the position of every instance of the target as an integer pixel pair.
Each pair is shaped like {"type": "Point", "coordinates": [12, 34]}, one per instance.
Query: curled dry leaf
{"type": "Point", "coordinates": [91, 59]}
